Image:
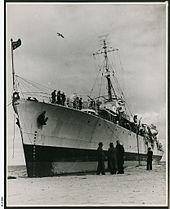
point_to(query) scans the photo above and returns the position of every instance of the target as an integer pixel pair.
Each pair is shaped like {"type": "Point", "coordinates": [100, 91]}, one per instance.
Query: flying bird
{"type": "Point", "coordinates": [59, 34]}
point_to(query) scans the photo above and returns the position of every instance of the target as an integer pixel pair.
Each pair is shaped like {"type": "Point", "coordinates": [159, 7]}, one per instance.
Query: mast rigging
{"type": "Point", "coordinates": [107, 71]}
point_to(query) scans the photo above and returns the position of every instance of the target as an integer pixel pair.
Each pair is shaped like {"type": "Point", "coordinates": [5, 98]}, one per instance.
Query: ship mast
{"type": "Point", "coordinates": [107, 70]}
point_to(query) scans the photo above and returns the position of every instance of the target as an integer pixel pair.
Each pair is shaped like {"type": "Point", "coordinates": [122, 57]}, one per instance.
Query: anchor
{"type": "Point", "coordinates": [42, 119]}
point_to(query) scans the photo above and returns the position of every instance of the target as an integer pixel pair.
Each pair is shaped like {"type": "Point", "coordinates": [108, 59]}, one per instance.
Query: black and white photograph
{"type": "Point", "coordinates": [86, 104]}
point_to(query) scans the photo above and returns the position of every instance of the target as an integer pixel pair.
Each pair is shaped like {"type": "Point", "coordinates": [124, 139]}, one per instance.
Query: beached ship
{"type": "Point", "coordinates": [62, 137]}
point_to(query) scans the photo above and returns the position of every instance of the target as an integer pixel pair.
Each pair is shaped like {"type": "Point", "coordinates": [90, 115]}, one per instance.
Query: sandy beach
{"type": "Point", "coordinates": [137, 187]}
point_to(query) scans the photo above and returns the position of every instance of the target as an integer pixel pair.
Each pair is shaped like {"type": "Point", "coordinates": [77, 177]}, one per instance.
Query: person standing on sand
{"type": "Point", "coordinates": [149, 159]}
{"type": "Point", "coordinates": [120, 157]}
{"type": "Point", "coordinates": [112, 159]}
{"type": "Point", "coordinates": [100, 158]}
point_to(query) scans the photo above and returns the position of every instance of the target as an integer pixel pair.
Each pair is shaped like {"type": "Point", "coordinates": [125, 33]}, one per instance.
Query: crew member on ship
{"type": "Point", "coordinates": [149, 159]}
{"type": "Point", "coordinates": [74, 103]}
{"type": "Point", "coordinates": [77, 102]}
{"type": "Point", "coordinates": [53, 96]}
{"type": "Point", "coordinates": [112, 159]}
{"type": "Point", "coordinates": [63, 98]}
{"type": "Point", "coordinates": [120, 157]}
{"type": "Point", "coordinates": [100, 158]}
{"type": "Point", "coordinates": [98, 105]}
{"type": "Point", "coordinates": [58, 97]}
{"type": "Point", "coordinates": [80, 103]}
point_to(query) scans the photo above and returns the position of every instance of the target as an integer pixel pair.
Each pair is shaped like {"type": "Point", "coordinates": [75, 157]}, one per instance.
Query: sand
{"type": "Point", "coordinates": [137, 187]}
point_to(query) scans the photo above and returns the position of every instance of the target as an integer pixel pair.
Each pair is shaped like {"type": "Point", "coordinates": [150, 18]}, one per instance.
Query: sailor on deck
{"type": "Point", "coordinates": [63, 98]}
{"type": "Point", "coordinates": [53, 96]}
{"type": "Point", "coordinates": [59, 97]}
{"type": "Point", "coordinates": [80, 103]}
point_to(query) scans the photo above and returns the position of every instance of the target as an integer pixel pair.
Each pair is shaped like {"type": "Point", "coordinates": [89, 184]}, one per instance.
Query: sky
{"type": "Point", "coordinates": [137, 30]}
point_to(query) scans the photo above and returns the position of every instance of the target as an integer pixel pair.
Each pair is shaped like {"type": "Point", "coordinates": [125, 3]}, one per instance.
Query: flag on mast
{"type": "Point", "coordinates": [16, 44]}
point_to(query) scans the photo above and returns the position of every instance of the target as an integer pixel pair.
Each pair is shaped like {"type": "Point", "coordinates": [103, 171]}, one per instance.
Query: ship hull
{"type": "Point", "coordinates": [68, 141]}
{"type": "Point", "coordinates": [51, 161]}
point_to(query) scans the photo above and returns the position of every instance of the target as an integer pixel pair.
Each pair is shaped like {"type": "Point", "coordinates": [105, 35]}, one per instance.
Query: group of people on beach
{"type": "Point", "coordinates": [115, 158]}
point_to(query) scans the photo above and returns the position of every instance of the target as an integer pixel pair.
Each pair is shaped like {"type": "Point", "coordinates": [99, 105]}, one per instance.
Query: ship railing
{"type": "Point", "coordinates": [46, 97]}
{"type": "Point", "coordinates": [36, 96]}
